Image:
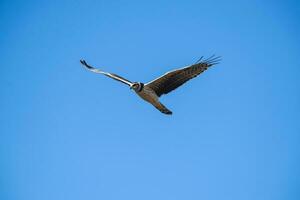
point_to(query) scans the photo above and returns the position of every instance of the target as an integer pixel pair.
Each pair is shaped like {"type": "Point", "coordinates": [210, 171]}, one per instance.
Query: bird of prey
{"type": "Point", "coordinates": [164, 84]}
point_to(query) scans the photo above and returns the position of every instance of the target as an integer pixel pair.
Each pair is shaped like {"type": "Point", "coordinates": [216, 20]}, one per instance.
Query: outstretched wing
{"type": "Point", "coordinates": [114, 76]}
{"type": "Point", "coordinates": [173, 79]}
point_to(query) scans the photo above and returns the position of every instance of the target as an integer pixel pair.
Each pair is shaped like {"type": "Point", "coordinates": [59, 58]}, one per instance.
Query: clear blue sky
{"type": "Point", "coordinates": [67, 133]}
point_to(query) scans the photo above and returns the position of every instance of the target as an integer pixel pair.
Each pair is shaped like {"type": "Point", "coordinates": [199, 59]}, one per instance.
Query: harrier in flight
{"type": "Point", "coordinates": [164, 84]}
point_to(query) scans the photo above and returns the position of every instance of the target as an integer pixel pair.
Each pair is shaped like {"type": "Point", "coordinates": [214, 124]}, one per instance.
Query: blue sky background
{"type": "Point", "coordinates": [67, 133]}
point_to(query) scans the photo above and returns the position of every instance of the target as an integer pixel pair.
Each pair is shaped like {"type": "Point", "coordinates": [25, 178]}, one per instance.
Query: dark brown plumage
{"type": "Point", "coordinates": [173, 79]}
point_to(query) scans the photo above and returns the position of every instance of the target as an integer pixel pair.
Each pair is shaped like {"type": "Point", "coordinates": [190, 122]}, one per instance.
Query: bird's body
{"type": "Point", "coordinates": [151, 91]}
{"type": "Point", "coordinates": [149, 95]}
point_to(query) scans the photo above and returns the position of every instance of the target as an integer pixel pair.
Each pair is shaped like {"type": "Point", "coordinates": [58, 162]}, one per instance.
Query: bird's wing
{"type": "Point", "coordinates": [173, 79]}
{"type": "Point", "coordinates": [114, 76]}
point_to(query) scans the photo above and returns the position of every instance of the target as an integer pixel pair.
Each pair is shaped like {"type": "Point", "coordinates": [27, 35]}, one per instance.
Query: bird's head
{"type": "Point", "coordinates": [137, 86]}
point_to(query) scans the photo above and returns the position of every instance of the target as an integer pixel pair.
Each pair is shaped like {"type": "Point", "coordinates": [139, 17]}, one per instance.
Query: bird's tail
{"type": "Point", "coordinates": [163, 109]}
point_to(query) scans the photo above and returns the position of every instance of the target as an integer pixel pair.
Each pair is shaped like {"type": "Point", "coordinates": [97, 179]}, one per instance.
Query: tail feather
{"type": "Point", "coordinates": [163, 109]}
